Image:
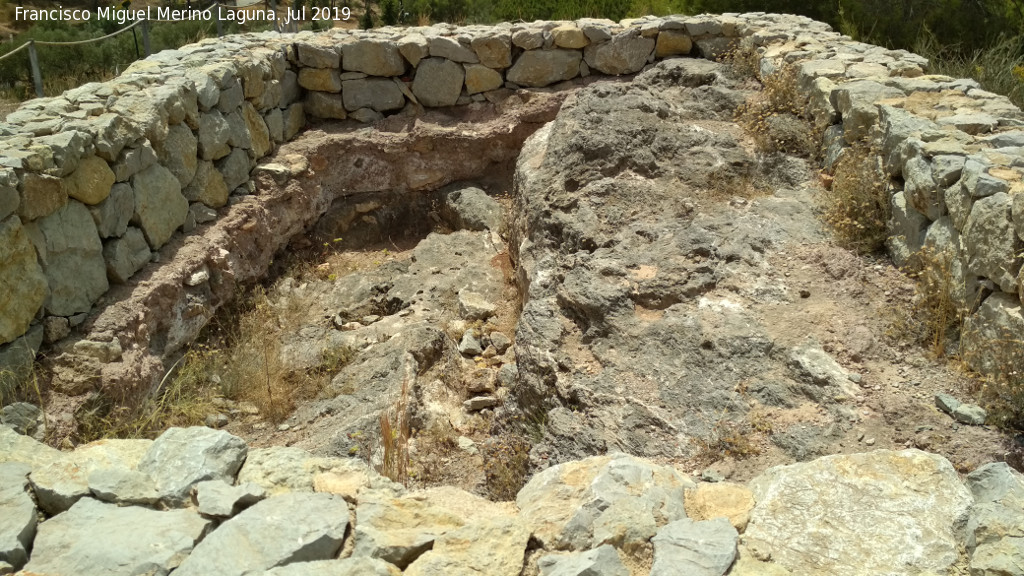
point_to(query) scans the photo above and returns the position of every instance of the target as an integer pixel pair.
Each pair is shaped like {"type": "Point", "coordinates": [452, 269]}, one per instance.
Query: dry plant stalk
{"type": "Point", "coordinates": [857, 206]}
{"type": "Point", "coordinates": [395, 432]}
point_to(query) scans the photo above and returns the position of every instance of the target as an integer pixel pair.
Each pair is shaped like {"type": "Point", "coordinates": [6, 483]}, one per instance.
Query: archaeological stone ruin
{"type": "Point", "coordinates": [645, 289]}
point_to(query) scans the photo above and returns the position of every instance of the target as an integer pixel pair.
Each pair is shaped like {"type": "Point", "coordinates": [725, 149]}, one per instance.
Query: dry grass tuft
{"type": "Point", "coordinates": [857, 207]}
{"type": "Point", "coordinates": [506, 466]}
{"type": "Point", "coordinates": [776, 117]}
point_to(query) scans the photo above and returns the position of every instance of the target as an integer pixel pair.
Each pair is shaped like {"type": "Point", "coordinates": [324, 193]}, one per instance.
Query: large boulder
{"type": "Point", "coordinates": [882, 512]}
{"type": "Point", "coordinates": [178, 153]}
{"type": "Point", "coordinates": [625, 53]}
{"type": "Point", "coordinates": [61, 482]}
{"type": "Point", "coordinates": [275, 532]}
{"type": "Point", "coordinates": [380, 94]}
{"type": "Point", "coordinates": [90, 183]}
{"type": "Point", "coordinates": [470, 208]}
{"type": "Point", "coordinates": [601, 561]}
{"type": "Point", "coordinates": [438, 82]}
{"type": "Point", "coordinates": [539, 68]}
{"type": "Point", "coordinates": [494, 49]}
{"type": "Point", "coordinates": [705, 548]}
{"type": "Point", "coordinates": [619, 500]}
{"type": "Point", "coordinates": [401, 530]}
{"type": "Point", "coordinates": [283, 469]}
{"type": "Point", "coordinates": [182, 457]}
{"type": "Point", "coordinates": [159, 206]}
{"type": "Point", "coordinates": [991, 243]}
{"type": "Point", "coordinates": [374, 57]}
{"type": "Point", "coordinates": [71, 253]}
{"type": "Point", "coordinates": [22, 283]}
{"type": "Point", "coordinates": [995, 532]}
{"type": "Point", "coordinates": [93, 538]}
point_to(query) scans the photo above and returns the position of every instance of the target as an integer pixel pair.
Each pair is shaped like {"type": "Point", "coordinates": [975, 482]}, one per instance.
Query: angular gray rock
{"type": "Point", "coordinates": [214, 132]}
{"type": "Point", "coordinates": [218, 498]}
{"type": "Point", "coordinates": [159, 206]}
{"type": "Point", "coordinates": [470, 208]}
{"type": "Point", "coordinates": [991, 243]}
{"type": "Point", "coordinates": [123, 486]}
{"type": "Point", "coordinates": [113, 214]}
{"type": "Point", "coordinates": [374, 57]}
{"type": "Point", "coordinates": [879, 513]}
{"type": "Point", "coordinates": [706, 548]}
{"type": "Point", "coordinates": [97, 539]}
{"type": "Point", "coordinates": [995, 531]}
{"type": "Point", "coordinates": [182, 457]}
{"type": "Point", "coordinates": [23, 281]}
{"type": "Point", "coordinates": [539, 68]}
{"type": "Point", "coordinates": [380, 94]}
{"type": "Point", "coordinates": [23, 418]}
{"type": "Point", "coordinates": [71, 254]}
{"type": "Point", "coordinates": [625, 53]}
{"type": "Point", "coordinates": [17, 514]}
{"type": "Point", "coordinates": [619, 500]}
{"type": "Point", "coordinates": [126, 255]}
{"type": "Point", "coordinates": [178, 153]}
{"type": "Point", "coordinates": [234, 169]}
{"type": "Point", "coordinates": [601, 561]}
{"type": "Point", "coordinates": [450, 48]}
{"type": "Point", "coordinates": [275, 532]}
{"type": "Point", "coordinates": [438, 82]}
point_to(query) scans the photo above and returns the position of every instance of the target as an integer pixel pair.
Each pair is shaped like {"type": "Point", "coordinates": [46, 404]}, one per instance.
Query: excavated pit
{"type": "Point", "coordinates": [680, 299]}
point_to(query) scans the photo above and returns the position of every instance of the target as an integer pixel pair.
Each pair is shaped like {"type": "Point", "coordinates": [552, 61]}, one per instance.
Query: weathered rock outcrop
{"type": "Point", "coordinates": [894, 512]}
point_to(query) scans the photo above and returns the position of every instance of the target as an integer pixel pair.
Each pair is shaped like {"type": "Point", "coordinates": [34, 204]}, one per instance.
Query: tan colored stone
{"type": "Point", "coordinates": [492, 545]}
{"type": "Point", "coordinates": [495, 50]}
{"type": "Point", "coordinates": [258, 131]}
{"type": "Point", "coordinates": [320, 79]}
{"type": "Point", "coordinates": [725, 500]}
{"type": "Point", "coordinates": [480, 78]}
{"type": "Point", "coordinates": [344, 483]}
{"type": "Point", "coordinates": [569, 36]}
{"type": "Point", "coordinates": [41, 195]}
{"type": "Point", "coordinates": [22, 283]}
{"type": "Point", "coordinates": [672, 43]}
{"type": "Point", "coordinates": [90, 183]}
{"type": "Point", "coordinates": [207, 187]}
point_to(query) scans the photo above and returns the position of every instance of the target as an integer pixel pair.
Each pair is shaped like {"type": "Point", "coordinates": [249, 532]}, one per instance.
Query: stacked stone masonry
{"type": "Point", "coordinates": [94, 182]}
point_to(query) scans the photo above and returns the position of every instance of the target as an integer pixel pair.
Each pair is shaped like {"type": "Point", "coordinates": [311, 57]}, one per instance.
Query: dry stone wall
{"type": "Point", "coordinates": [95, 182]}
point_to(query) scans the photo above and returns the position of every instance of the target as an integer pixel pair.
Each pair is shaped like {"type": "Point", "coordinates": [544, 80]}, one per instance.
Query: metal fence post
{"type": "Point", "coordinates": [273, 6]}
{"type": "Point", "coordinates": [37, 75]}
{"type": "Point", "coordinates": [145, 37]}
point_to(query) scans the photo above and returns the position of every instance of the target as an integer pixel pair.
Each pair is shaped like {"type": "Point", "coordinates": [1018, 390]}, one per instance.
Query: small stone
{"type": "Point", "coordinates": [198, 277]}
{"type": "Point", "coordinates": [367, 320]}
{"type": "Point", "coordinates": [467, 445]}
{"type": "Point", "coordinates": [500, 341]}
{"type": "Point", "coordinates": [470, 345]}
{"type": "Point", "coordinates": [217, 420]}
{"type": "Point", "coordinates": [804, 293]}
{"type": "Point", "coordinates": [870, 441]}
{"type": "Point", "coordinates": [479, 403]}
{"type": "Point", "coordinates": [218, 498]}
{"type": "Point", "coordinates": [946, 403]}
{"type": "Point", "coordinates": [971, 414]}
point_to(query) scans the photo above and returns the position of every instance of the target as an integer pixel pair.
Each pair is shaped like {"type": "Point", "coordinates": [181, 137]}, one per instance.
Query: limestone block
{"type": "Point", "coordinates": [178, 153]}
{"type": "Point", "coordinates": [539, 68]}
{"type": "Point", "coordinates": [380, 94]}
{"type": "Point", "coordinates": [180, 458]}
{"type": "Point", "coordinates": [214, 132]}
{"type": "Point", "coordinates": [480, 78]}
{"type": "Point", "coordinates": [494, 50]}
{"type": "Point", "coordinates": [625, 53]}
{"type": "Point", "coordinates": [22, 284]}
{"type": "Point", "coordinates": [320, 79]}
{"type": "Point", "coordinates": [438, 82]}
{"type": "Point", "coordinates": [882, 512]}
{"type": "Point", "coordinates": [258, 132]}
{"type": "Point", "coordinates": [159, 206]}
{"type": "Point", "coordinates": [991, 244]}
{"type": "Point", "coordinates": [41, 195]}
{"type": "Point", "coordinates": [234, 169]}
{"type": "Point", "coordinates": [324, 105]}
{"type": "Point", "coordinates": [569, 36]}
{"type": "Point", "coordinates": [374, 57]}
{"type": "Point", "coordinates": [208, 186]}
{"type": "Point", "coordinates": [451, 49]}
{"type": "Point", "coordinates": [314, 56]}
{"type": "Point", "coordinates": [294, 120]}
{"type": "Point", "coordinates": [71, 255]}
{"type": "Point", "coordinates": [414, 48]}
{"type": "Point", "coordinates": [672, 43]}
{"type": "Point", "coordinates": [126, 255]}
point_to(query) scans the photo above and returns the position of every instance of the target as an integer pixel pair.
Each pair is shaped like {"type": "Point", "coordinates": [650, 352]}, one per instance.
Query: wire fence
{"type": "Point", "coordinates": [143, 26]}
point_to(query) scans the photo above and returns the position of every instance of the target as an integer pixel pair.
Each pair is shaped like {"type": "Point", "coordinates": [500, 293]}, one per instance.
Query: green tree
{"type": "Point", "coordinates": [389, 12]}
